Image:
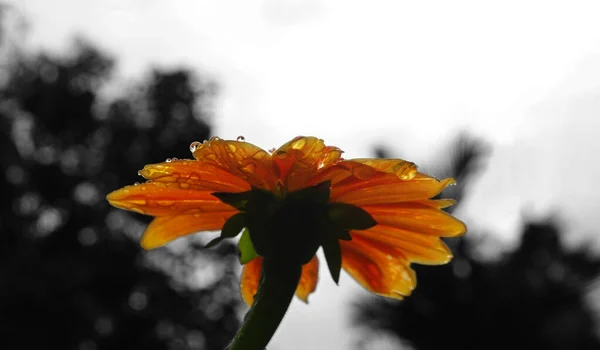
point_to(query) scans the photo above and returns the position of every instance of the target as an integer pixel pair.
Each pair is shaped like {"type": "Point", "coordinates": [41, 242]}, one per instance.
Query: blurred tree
{"type": "Point", "coordinates": [72, 274]}
{"type": "Point", "coordinates": [534, 297]}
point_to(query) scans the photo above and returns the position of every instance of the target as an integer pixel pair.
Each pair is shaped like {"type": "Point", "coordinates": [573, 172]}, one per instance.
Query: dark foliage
{"type": "Point", "coordinates": [535, 297]}
{"type": "Point", "coordinates": [72, 274]}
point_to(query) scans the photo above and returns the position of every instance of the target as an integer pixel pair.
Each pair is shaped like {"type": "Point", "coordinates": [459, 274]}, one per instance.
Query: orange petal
{"type": "Point", "coordinates": [418, 248]}
{"type": "Point", "coordinates": [250, 279]}
{"type": "Point", "coordinates": [308, 279]}
{"type": "Point", "coordinates": [378, 268]}
{"type": "Point", "coordinates": [417, 217]}
{"type": "Point", "coordinates": [300, 159]}
{"type": "Point", "coordinates": [382, 189]}
{"type": "Point", "coordinates": [241, 159]}
{"type": "Point", "coordinates": [165, 199]}
{"type": "Point", "coordinates": [403, 169]}
{"type": "Point", "coordinates": [438, 203]}
{"type": "Point", "coordinates": [196, 175]}
{"type": "Point", "coordinates": [347, 172]}
{"type": "Point", "coordinates": [164, 229]}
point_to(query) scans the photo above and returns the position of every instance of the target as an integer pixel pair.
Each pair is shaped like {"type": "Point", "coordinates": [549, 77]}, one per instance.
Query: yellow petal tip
{"type": "Point", "coordinates": [304, 299]}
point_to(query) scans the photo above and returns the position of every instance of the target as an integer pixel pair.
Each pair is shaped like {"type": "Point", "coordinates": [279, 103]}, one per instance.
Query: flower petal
{"type": "Point", "coordinates": [308, 279]}
{"type": "Point", "coordinates": [300, 159]}
{"type": "Point", "coordinates": [345, 172]}
{"type": "Point", "coordinates": [196, 175]}
{"type": "Point", "coordinates": [164, 229]}
{"type": "Point", "coordinates": [403, 169]}
{"type": "Point", "coordinates": [378, 268]}
{"type": "Point", "coordinates": [241, 159]}
{"type": "Point", "coordinates": [165, 199]}
{"type": "Point", "coordinates": [438, 203]}
{"type": "Point", "coordinates": [251, 278]}
{"type": "Point", "coordinates": [418, 248]}
{"type": "Point", "coordinates": [417, 217]}
{"type": "Point", "coordinates": [382, 189]}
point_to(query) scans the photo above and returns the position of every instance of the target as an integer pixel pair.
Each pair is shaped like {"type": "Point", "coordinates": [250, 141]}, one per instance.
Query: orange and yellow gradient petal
{"type": "Point", "coordinates": [251, 277]}
{"type": "Point", "coordinates": [392, 191]}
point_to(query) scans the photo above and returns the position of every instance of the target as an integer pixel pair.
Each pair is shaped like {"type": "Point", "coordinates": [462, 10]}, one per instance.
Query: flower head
{"type": "Point", "coordinates": [378, 211]}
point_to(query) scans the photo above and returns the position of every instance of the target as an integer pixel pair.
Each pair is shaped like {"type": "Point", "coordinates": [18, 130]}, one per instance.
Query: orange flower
{"type": "Point", "coordinates": [409, 225]}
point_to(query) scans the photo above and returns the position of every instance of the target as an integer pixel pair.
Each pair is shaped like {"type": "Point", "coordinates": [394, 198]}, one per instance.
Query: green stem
{"type": "Point", "coordinates": [278, 282]}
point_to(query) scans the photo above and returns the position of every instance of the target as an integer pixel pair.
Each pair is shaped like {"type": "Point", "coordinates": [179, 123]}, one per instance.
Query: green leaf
{"type": "Point", "coordinates": [350, 217]}
{"type": "Point", "coordinates": [247, 252]}
{"type": "Point", "coordinates": [236, 200]}
{"type": "Point", "coordinates": [333, 255]}
{"type": "Point", "coordinates": [232, 227]}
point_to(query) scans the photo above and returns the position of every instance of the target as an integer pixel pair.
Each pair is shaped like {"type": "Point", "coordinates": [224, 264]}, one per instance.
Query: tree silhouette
{"type": "Point", "coordinates": [72, 274]}
{"type": "Point", "coordinates": [534, 297]}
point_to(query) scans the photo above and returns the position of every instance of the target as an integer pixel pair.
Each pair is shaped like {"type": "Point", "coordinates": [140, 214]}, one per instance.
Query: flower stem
{"type": "Point", "coordinates": [278, 282]}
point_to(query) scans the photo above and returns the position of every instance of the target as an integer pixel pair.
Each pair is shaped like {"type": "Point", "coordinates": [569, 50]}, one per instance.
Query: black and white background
{"type": "Point", "coordinates": [505, 96]}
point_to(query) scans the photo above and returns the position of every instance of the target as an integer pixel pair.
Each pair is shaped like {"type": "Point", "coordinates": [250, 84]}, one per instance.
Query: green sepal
{"type": "Point", "coordinates": [333, 255]}
{"type": "Point", "coordinates": [344, 235]}
{"type": "Point", "coordinates": [247, 252]}
{"type": "Point", "coordinates": [214, 242]}
{"type": "Point", "coordinates": [237, 200]}
{"type": "Point", "coordinates": [232, 227]}
{"type": "Point", "coordinates": [318, 194]}
{"type": "Point", "coordinates": [350, 217]}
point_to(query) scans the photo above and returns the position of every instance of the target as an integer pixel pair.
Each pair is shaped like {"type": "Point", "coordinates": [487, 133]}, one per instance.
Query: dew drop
{"type": "Point", "coordinates": [174, 159]}
{"type": "Point", "coordinates": [137, 183]}
{"type": "Point", "coordinates": [249, 169]}
{"type": "Point", "coordinates": [194, 145]}
{"type": "Point", "coordinates": [215, 138]}
{"type": "Point", "coordinates": [168, 160]}
{"type": "Point", "coordinates": [139, 173]}
{"type": "Point", "coordinates": [405, 170]}
{"type": "Point", "coordinates": [241, 138]}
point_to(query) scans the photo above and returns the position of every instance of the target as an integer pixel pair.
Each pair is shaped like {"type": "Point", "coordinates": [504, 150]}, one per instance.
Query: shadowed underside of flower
{"type": "Point", "coordinates": [186, 196]}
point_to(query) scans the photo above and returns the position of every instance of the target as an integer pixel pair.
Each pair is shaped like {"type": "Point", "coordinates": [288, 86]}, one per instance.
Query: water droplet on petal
{"type": "Point", "coordinates": [137, 183]}
{"type": "Point", "coordinates": [215, 138]}
{"type": "Point", "coordinates": [174, 159]}
{"type": "Point", "coordinates": [194, 145]}
{"type": "Point", "coordinates": [168, 160]}
{"type": "Point", "coordinates": [139, 173]}
{"type": "Point", "coordinates": [249, 169]}
{"type": "Point", "coordinates": [405, 170]}
{"type": "Point", "coordinates": [241, 138]}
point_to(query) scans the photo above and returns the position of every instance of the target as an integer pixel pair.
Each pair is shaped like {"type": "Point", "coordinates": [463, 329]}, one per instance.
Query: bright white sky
{"type": "Point", "coordinates": [524, 75]}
